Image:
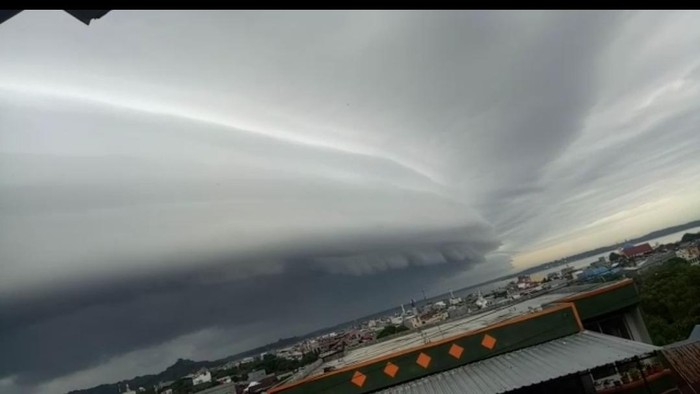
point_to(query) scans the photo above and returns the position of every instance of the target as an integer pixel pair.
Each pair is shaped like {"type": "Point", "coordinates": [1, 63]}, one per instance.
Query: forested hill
{"type": "Point", "coordinates": [183, 367]}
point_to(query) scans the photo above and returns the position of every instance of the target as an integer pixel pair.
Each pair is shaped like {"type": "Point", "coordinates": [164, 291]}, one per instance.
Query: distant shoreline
{"type": "Point", "coordinates": [530, 270]}
{"type": "Point", "coordinates": [608, 248]}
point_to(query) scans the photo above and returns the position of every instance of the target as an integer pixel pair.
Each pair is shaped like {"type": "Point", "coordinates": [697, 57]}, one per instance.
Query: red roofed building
{"type": "Point", "coordinates": [637, 250]}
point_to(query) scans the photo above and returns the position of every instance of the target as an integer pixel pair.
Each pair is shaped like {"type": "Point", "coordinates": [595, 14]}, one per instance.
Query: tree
{"type": "Point", "coordinates": [182, 386]}
{"type": "Point", "coordinates": [669, 300]}
{"type": "Point", "coordinates": [687, 237]}
{"type": "Point", "coordinates": [613, 257]}
{"type": "Point", "coordinates": [391, 330]}
{"type": "Point", "coordinates": [308, 358]}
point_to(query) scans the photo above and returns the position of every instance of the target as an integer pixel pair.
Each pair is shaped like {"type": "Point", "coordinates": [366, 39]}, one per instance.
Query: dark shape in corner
{"type": "Point", "coordinates": [7, 14]}
{"type": "Point", "coordinates": [85, 16]}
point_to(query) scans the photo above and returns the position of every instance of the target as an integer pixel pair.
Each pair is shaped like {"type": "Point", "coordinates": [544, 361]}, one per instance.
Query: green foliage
{"type": "Point", "coordinates": [204, 386]}
{"type": "Point", "coordinates": [308, 358]}
{"type": "Point", "coordinates": [391, 330]}
{"type": "Point", "coordinates": [669, 300]}
{"type": "Point", "coordinates": [687, 237]}
{"type": "Point", "coordinates": [270, 363]}
{"type": "Point", "coordinates": [182, 386]}
{"type": "Point", "coordinates": [613, 257]}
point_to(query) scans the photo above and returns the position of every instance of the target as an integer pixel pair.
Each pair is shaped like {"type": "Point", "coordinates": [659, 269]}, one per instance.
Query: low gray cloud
{"type": "Point", "coordinates": [88, 326]}
{"type": "Point", "coordinates": [224, 228]}
{"type": "Point", "coordinates": [206, 178]}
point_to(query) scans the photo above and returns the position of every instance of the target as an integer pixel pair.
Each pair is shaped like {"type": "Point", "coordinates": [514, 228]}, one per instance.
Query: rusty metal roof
{"type": "Point", "coordinates": [685, 361]}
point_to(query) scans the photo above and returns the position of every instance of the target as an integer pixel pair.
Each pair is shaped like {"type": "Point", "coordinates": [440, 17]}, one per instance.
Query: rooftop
{"type": "Point", "coordinates": [442, 331]}
{"type": "Point", "coordinates": [636, 250]}
{"type": "Point", "coordinates": [468, 340]}
{"type": "Point", "coordinates": [540, 363]}
{"type": "Point", "coordinates": [227, 388]}
{"type": "Point", "coordinates": [460, 325]}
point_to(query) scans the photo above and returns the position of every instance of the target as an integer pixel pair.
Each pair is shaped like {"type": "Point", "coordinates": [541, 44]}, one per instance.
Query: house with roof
{"type": "Point", "coordinates": [202, 376]}
{"type": "Point", "coordinates": [631, 251]}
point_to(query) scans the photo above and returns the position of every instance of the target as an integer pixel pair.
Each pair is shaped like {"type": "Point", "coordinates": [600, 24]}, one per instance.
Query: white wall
{"type": "Point", "coordinates": [636, 326]}
{"type": "Point", "coordinates": [202, 378]}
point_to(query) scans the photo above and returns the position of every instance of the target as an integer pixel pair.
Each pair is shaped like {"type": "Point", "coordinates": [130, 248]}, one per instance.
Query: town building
{"type": "Point", "coordinates": [127, 390]}
{"type": "Point", "coordinates": [553, 275]}
{"type": "Point", "coordinates": [601, 262]}
{"type": "Point", "coordinates": [643, 264]}
{"type": "Point", "coordinates": [224, 380]}
{"type": "Point", "coordinates": [261, 384]}
{"type": "Point", "coordinates": [202, 376]}
{"type": "Point", "coordinates": [567, 272]}
{"type": "Point", "coordinates": [596, 271]}
{"type": "Point", "coordinates": [226, 388]}
{"type": "Point", "coordinates": [257, 374]}
{"type": "Point", "coordinates": [631, 251]}
{"type": "Point", "coordinates": [454, 300]}
{"type": "Point", "coordinates": [290, 353]}
{"type": "Point", "coordinates": [412, 322]}
{"type": "Point", "coordinates": [524, 281]}
{"type": "Point", "coordinates": [690, 253]}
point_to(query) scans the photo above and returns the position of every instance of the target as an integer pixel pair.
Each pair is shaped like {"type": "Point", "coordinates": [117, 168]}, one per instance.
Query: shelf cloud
{"type": "Point", "coordinates": [206, 178]}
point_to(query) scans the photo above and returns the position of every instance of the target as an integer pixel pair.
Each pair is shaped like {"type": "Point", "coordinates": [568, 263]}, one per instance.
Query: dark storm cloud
{"type": "Point", "coordinates": [59, 333]}
{"type": "Point", "coordinates": [272, 233]}
{"type": "Point", "coordinates": [180, 184]}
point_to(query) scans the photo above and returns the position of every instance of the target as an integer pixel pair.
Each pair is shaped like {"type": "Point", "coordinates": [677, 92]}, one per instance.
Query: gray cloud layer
{"type": "Point", "coordinates": [202, 176]}
{"type": "Point", "coordinates": [188, 191]}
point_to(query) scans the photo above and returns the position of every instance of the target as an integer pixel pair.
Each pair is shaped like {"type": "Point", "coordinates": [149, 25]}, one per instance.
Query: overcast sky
{"type": "Point", "coordinates": [193, 184]}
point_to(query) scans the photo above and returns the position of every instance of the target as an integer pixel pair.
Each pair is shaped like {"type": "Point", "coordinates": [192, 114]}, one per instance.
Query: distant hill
{"type": "Point", "coordinates": [666, 231]}
{"type": "Point", "coordinates": [181, 368]}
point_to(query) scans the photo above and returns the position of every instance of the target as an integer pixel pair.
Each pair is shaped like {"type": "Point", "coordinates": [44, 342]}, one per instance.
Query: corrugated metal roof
{"type": "Point", "coordinates": [532, 365]}
{"type": "Point", "coordinates": [685, 360]}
